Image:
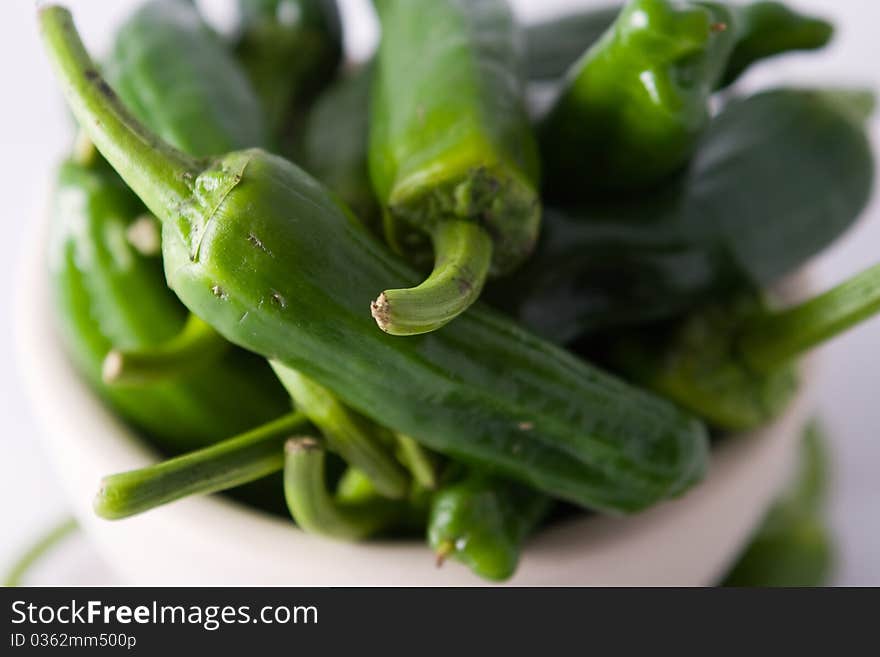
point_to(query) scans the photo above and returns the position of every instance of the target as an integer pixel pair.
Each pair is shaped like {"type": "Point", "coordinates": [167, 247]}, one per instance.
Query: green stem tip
{"type": "Point", "coordinates": [462, 257]}
{"type": "Point", "coordinates": [230, 463]}
{"type": "Point", "coordinates": [774, 339]}
{"type": "Point", "coordinates": [196, 345]}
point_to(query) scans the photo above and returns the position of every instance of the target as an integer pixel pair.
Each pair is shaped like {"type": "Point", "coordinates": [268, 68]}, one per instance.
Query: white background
{"type": "Point", "coordinates": [34, 133]}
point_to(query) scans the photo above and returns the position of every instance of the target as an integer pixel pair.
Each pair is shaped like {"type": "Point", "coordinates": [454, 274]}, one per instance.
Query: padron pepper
{"type": "Point", "coordinates": [108, 295]}
{"type": "Point", "coordinates": [635, 105]}
{"type": "Point", "coordinates": [763, 30]}
{"type": "Point", "coordinates": [263, 253]}
{"type": "Point", "coordinates": [174, 73]}
{"type": "Point", "coordinates": [291, 49]}
{"type": "Point", "coordinates": [204, 127]}
{"type": "Point", "coordinates": [452, 155]}
{"type": "Point", "coordinates": [170, 68]}
{"type": "Point", "coordinates": [777, 178]}
{"type": "Point", "coordinates": [731, 362]}
{"type": "Point", "coordinates": [483, 521]}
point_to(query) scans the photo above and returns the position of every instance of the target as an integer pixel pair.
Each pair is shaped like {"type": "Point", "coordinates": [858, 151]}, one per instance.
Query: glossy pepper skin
{"type": "Point", "coordinates": [552, 421]}
{"type": "Point", "coordinates": [763, 30]}
{"type": "Point", "coordinates": [635, 105]}
{"type": "Point", "coordinates": [451, 144]}
{"type": "Point", "coordinates": [173, 71]}
{"type": "Point", "coordinates": [483, 522]}
{"type": "Point", "coordinates": [107, 294]}
{"type": "Point", "coordinates": [732, 362]}
{"type": "Point", "coordinates": [793, 546]}
{"type": "Point", "coordinates": [777, 178]}
{"type": "Point", "coordinates": [291, 49]}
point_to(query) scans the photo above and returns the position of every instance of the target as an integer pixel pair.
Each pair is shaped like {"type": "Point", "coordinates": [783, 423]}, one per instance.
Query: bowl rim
{"type": "Point", "coordinates": [212, 540]}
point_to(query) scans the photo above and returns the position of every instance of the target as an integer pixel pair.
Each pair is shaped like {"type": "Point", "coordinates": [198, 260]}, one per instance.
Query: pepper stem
{"type": "Point", "coordinates": [197, 344]}
{"type": "Point", "coordinates": [421, 463]}
{"type": "Point", "coordinates": [358, 440]}
{"type": "Point", "coordinates": [314, 509]}
{"type": "Point", "coordinates": [776, 338]}
{"type": "Point", "coordinates": [158, 173]}
{"type": "Point", "coordinates": [462, 256]}
{"type": "Point", "coordinates": [229, 463]}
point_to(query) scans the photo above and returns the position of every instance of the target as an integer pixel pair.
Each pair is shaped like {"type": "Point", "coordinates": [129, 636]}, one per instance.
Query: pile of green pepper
{"type": "Point", "coordinates": [268, 262]}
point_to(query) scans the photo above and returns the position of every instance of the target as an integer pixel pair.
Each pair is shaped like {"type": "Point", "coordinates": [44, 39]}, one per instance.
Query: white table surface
{"type": "Point", "coordinates": [35, 132]}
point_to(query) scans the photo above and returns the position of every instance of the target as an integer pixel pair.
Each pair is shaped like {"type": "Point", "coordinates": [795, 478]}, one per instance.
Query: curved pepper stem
{"type": "Point", "coordinates": [776, 338]}
{"type": "Point", "coordinates": [358, 440]}
{"type": "Point", "coordinates": [196, 345]}
{"type": "Point", "coordinates": [160, 174]}
{"type": "Point", "coordinates": [227, 464]}
{"type": "Point", "coordinates": [462, 257]}
{"type": "Point", "coordinates": [315, 510]}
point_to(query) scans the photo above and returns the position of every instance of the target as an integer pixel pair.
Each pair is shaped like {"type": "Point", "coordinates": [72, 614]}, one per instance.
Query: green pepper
{"type": "Point", "coordinates": [199, 342]}
{"type": "Point", "coordinates": [291, 49]}
{"type": "Point", "coordinates": [174, 72]}
{"type": "Point", "coordinates": [731, 362]}
{"type": "Point", "coordinates": [777, 178]}
{"type": "Point", "coordinates": [177, 76]}
{"type": "Point", "coordinates": [109, 295]}
{"type": "Point", "coordinates": [452, 156]}
{"type": "Point", "coordinates": [763, 30]}
{"type": "Point", "coordinates": [793, 546]}
{"type": "Point", "coordinates": [483, 521]}
{"type": "Point", "coordinates": [551, 421]}
{"type": "Point", "coordinates": [636, 104]}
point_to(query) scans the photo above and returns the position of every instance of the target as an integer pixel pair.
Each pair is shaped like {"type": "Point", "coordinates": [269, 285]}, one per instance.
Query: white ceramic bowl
{"type": "Point", "coordinates": [212, 541]}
